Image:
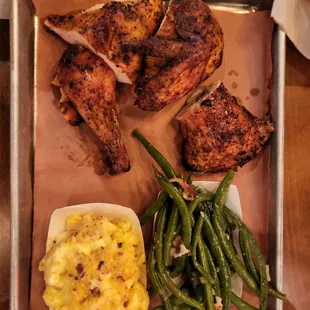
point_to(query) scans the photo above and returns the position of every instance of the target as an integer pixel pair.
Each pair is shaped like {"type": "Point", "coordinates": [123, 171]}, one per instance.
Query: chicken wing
{"type": "Point", "coordinates": [176, 79]}
{"type": "Point", "coordinates": [219, 134]}
{"type": "Point", "coordinates": [186, 23]}
{"type": "Point", "coordinates": [89, 84]}
{"type": "Point", "coordinates": [103, 29]}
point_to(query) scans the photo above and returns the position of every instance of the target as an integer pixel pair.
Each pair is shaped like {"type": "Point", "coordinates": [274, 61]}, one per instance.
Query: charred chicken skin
{"type": "Point", "coordinates": [186, 50]}
{"type": "Point", "coordinates": [89, 84]}
{"type": "Point", "coordinates": [104, 28]}
{"type": "Point", "coordinates": [219, 134]}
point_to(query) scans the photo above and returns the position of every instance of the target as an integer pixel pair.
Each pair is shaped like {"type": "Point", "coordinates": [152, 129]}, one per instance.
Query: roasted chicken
{"type": "Point", "coordinates": [89, 84]}
{"type": "Point", "coordinates": [66, 107]}
{"type": "Point", "coordinates": [71, 115]}
{"type": "Point", "coordinates": [186, 50]}
{"type": "Point", "coordinates": [104, 28]}
{"type": "Point", "coordinates": [219, 134]}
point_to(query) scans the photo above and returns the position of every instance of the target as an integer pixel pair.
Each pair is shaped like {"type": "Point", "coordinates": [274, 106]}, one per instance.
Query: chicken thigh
{"type": "Point", "coordinates": [219, 134]}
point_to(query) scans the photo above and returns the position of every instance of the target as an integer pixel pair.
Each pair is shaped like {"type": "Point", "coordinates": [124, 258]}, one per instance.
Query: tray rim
{"type": "Point", "coordinates": [23, 27]}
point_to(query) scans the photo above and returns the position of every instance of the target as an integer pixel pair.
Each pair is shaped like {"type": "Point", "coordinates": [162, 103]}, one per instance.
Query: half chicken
{"type": "Point", "coordinates": [104, 28]}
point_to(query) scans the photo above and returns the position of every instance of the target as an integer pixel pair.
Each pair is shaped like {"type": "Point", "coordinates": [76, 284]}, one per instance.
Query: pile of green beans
{"type": "Point", "coordinates": [204, 269]}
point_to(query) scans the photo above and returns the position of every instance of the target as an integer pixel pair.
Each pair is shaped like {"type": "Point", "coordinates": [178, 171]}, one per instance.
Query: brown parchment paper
{"type": "Point", "coordinates": [67, 158]}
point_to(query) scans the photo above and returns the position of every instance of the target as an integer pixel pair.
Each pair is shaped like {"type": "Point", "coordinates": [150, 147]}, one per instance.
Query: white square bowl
{"type": "Point", "coordinates": [111, 211]}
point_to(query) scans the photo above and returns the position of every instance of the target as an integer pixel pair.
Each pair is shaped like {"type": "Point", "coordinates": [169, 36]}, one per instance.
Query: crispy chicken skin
{"type": "Point", "coordinates": [89, 84]}
{"type": "Point", "coordinates": [219, 134]}
{"type": "Point", "coordinates": [103, 29]}
{"type": "Point", "coordinates": [189, 33]}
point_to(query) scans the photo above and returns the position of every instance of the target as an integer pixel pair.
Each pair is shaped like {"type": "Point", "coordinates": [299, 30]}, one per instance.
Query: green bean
{"type": "Point", "coordinates": [217, 221]}
{"type": "Point", "coordinates": [220, 196]}
{"type": "Point", "coordinates": [155, 280]}
{"type": "Point", "coordinates": [216, 284]}
{"type": "Point", "coordinates": [263, 272]}
{"type": "Point", "coordinates": [179, 263]}
{"type": "Point", "coordinates": [276, 293]}
{"type": "Point", "coordinates": [179, 307]}
{"type": "Point", "coordinates": [247, 256]}
{"type": "Point", "coordinates": [175, 290]}
{"type": "Point", "coordinates": [230, 253]}
{"type": "Point", "coordinates": [209, 299]}
{"type": "Point", "coordinates": [170, 233]}
{"type": "Point", "coordinates": [189, 179]}
{"type": "Point", "coordinates": [163, 274]}
{"type": "Point", "coordinates": [159, 234]}
{"type": "Point", "coordinates": [157, 156]}
{"type": "Point", "coordinates": [175, 301]}
{"type": "Point", "coordinates": [222, 190]}
{"type": "Point", "coordinates": [182, 208]}
{"type": "Point", "coordinates": [152, 272]}
{"type": "Point", "coordinates": [184, 307]}
{"type": "Point", "coordinates": [198, 199]}
{"type": "Point", "coordinates": [205, 207]}
{"type": "Point", "coordinates": [204, 270]}
{"type": "Point", "coordinates": [230, 234]}
{"type": "Point", "coordinates": [192, 274]}
{"type": "Point", "coordinates": [209, 302]}
{"type": "Point", "coordinates": [162, 198]}
{"type": "Point", "coordinates": [234, 218]}
{"type": "Point", "coordinates": [220, 260]}
{"type": "Point", "coordinates": [240, 303]}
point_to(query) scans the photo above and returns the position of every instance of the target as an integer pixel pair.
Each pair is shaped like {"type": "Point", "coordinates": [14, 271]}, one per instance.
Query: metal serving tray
{"type": "Point", "coordinates": [23, 102]}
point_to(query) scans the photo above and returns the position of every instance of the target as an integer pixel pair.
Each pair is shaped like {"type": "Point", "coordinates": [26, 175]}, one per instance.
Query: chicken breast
{"type": "Point", "coordinates": [188, 23]}
{"type": "Point", "coordinates": [89, 84]}
{"type": "Point", "coordinates": [219, 134]}
{"type": "Point", "coordinates": [103, 29]}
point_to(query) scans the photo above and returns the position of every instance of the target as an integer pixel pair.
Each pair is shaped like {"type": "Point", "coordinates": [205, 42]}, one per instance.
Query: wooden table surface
{"type": "Point", "coordinates": [297, 177]}
{"type": "Point", "coordinates": [297, 182]}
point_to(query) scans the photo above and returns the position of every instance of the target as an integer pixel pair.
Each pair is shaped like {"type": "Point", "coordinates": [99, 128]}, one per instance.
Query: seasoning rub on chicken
{"type": "Point", "coordinates": [186, 50]}
{"type": "Point", "coordinates": [104, 28]}
{"type": "Point", "coordinates": [219, 134]}
{"type": "Point", "coordinates": [87, 82]}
